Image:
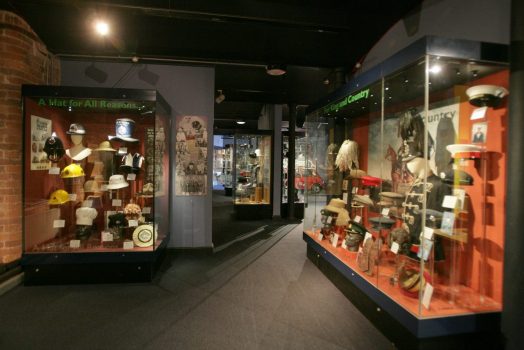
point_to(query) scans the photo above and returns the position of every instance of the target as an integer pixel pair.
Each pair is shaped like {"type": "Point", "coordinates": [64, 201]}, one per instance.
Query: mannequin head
{"type": "Point", "coordinates": [77, 139]}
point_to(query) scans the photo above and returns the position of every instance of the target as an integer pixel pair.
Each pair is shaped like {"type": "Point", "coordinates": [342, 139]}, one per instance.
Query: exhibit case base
{"type": "Point", "coordinates": [403, 328]}
{"type": "Point", "coordinates": [79, 268]}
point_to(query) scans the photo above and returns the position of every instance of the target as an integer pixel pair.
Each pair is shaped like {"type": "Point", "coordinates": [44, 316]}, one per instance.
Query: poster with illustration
{"type": "Point", "coordinates": [383, 158]}
{"type": "Point", "coordinates": [40, 131]}
{"type": "Point", "coordinates": [191, 156]}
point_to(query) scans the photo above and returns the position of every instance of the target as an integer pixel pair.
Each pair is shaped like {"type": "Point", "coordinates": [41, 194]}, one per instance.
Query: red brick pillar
{"type": "Point", "coordinates": [24, 59]}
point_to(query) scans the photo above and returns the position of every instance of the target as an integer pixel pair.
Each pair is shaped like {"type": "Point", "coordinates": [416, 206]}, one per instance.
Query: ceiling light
{"type": "Point", "coordinates": [276, 69]}
{"type": "Point", "coordinates": [220, 98]}
{"type": "Point", "coordinates": [241, 122]}
{"type": "Point", "coordinates": [435, 69]}
{"type": "Point", "coordinates": [102, 28]}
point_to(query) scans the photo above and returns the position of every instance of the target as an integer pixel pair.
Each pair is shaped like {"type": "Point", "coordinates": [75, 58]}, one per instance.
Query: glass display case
{"type": "Point", "coordinates": [413, 210]}
{"type": "Point", "coordinates": [96, 180]}
{"type": "Point", "coordinates": [252, 178]}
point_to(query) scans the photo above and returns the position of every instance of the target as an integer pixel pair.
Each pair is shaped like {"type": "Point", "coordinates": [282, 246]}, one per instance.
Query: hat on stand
{"type": "Point", "coordinates": [124, 130]}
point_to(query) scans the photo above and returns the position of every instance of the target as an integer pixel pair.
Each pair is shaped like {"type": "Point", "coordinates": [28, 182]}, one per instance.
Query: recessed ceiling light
{"type": "Point", "coordinates": [241, 122]}
{"type": "Point", "coordinates": [276, 69]}
{"type": "Point", "coordinates": [102, 28]}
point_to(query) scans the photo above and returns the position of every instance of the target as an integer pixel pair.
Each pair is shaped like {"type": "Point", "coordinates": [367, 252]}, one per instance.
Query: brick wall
{"type": "Point", "coordinates": [24, 59]}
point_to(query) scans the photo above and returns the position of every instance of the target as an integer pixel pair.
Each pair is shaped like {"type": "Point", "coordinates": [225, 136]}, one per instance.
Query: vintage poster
{"type": "Point", "coordinates": [442, 127]}
{"type": "Point", "coordinates": [191, 156]}
{"type": "Point", "coordinates": [40, 131]}
{"type": "Point", "coordinates": [155, 141]}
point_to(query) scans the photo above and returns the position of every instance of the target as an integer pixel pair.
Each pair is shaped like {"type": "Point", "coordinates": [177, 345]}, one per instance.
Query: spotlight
{"type": "Point", "coordinates": [96, 74]}
{"type": "Point", "coordinates": [241, 122]}
{"type": "Point", "coordinates": [276, 69]}
{"type": "Point", "coordinates": [148, 76]}
{"type": "Point", "coordinates": [435, 69]}
{"type": "Point", "coordinates": [220, 98]}
{"type": "Point", "coordinates": [102, 28]}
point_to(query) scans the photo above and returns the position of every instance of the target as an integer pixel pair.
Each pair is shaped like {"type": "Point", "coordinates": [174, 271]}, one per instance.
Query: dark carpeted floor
{"type": "Point", "coordinates": [259, 293]}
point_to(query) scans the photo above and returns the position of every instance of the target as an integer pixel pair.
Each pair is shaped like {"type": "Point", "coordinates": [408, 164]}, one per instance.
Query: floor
{"type": "Point", "coordinates": [259, 293]}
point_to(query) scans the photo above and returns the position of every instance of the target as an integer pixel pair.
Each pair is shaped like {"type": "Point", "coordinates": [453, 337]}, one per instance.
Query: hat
{"type": "Point", "coordinates": [370, 181]}
{"type": "Point", "coordinates": [105, 146]}
{"type": "Point", "coordinates": [91, 186]}
{"type": "Point", "coordinates": [72, 170]}
{"type": "Point", "coordinates": [380, 222]}
{"type": "Point", "coordinates": [143, 235]}
{"type": "Point", "coordinates": [361, 199]}
{"type": "Point", "coordinates": [76, 129]}
{"type": "Point", "coordinates": [457, 176]}
{"type": "Point", "coordinates": [486, 95]}
{"type": "Point", "coordinates": [401, 237]}
{"type": "Point", "coordinates": [335, 205]}
{"type": "Point", "coordinates": [85, 216]}
{"type": "Point", "coordinates": [124, 130]}
{"type": "Point", "coordinates": [117, 220]}
{"type": "Point", "coordinates": [116, 182]}
{"type": "Point", "coordinates": [54, 148]}
{"type": "Point", "coordinates": [464, 150]}
{"type": "Point", "coordinates": [433, 218]}
{"type": "Point", "coordinates": [59, 197]}
{"type": "Point", "coordinates": [390, 198]}
{"type": "Point", "coordinates": [357, 228]}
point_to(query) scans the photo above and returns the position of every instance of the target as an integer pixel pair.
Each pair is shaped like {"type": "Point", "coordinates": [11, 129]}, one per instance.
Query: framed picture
{"type": "Point", "coordinates": [448, 221]}
{"type": "Point", "coordinates": [479, 132]}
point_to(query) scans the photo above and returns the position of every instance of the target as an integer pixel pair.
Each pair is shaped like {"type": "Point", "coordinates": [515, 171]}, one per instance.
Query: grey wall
{"type": "Point", "coordinates": [189, 91]}
{"type": "Point", "coordinates": [477, 20]}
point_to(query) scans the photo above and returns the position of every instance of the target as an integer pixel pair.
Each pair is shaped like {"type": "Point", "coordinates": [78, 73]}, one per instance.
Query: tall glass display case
{"type": "Point", "coordinates": [252, 178]}
{"type": "Point", "coordinates": [96, 183]}
{"type": "Point", "coordinates": [413, 213]}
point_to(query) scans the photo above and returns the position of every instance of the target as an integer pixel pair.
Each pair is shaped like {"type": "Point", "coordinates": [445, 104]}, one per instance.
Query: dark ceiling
{"type": "Point", "coordinates": [319, 41]}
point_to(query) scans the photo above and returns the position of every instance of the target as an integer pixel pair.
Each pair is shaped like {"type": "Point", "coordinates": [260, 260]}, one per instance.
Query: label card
{"type": "Point", "coordinates": [428, 233]}
{"type": "Point", "coordinates": [54, 171]}
{"type": "Point", "coordinates": [395, 247]}
{"type": "Point", "coordinates": [345, 185]}
{"type": "Point", "coordinates": [107, 236]}
{"type": "Point", "coordinates": [354, 190]}
{"type": "Point", "coordinates": [368, 235]}
{"type": "Point", "coordinates": [385, 211]}
{"type": "Point", "coordinates": [146, 210]}
{"type": "Point", "coordinates": [426, 297]}
{"type": "Point", "coordinates": [478, 113]}
{"type": "Point", "coordinates": [461, 195]}
{"type": "Point", "coordinates": [122, 150]}
{"type": "Point", "coordinates": [72, 197]}
{"type": "Point", "coordinates": [344, 245]}
{"type": "Point", "coordinates": [88, 203]}
{"type": "Point", "coordinates": [329, 219]}
{"type": "Point", "coordinates": [133, 223]}
{"type": "Point", "coordinates": [74, 243]}
{"type": "Point", "coordinates": [117, 202]}
{"type": "Point", "coordinates": [58, 223]}
{"type": "Point", "coordinates": [334, 240]}
{"type": "Point", "coordinates": [449, 202]}
{"type": "Point", "coordinates": [320, 236]}
{"type": "Point", "coordinates": [128, 245]}
{"type": "Point", "coordinates": [131, 177]}
{"type": "Point", "coordinates": [345, 197]}
{"type": "Point", "coordinates": [357, 219]}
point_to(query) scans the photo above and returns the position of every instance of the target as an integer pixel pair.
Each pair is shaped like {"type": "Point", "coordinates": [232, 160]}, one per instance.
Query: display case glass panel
{"type": "Point", "coordinates": [96, 170]}
{"type": "Point", "coordinates": [415, 184]}
{"type": "Point", "coordinates": [253, 169]}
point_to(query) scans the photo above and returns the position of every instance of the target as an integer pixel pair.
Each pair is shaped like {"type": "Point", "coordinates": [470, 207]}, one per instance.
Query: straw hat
{"type": "Point", "coordinates": [337, 205]}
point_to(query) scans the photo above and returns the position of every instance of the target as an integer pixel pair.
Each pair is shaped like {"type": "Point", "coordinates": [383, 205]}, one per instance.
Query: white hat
{"type": "Point", "coordinates": [116, 182]}
{"type": "Point", "coordinates": [143, 236]}
{"type": "Point", "coordinates": [486, 95]}
{"type": "Point", "coordinates": [85, 216]}
{"type": "Point", "coordinates": [464, 150]}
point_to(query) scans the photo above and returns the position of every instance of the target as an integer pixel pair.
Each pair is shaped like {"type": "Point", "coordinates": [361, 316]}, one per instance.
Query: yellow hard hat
{"type": "Point", "coordinates": [59, 197]}
{"type": "Point", "coordinates": [72, 170]}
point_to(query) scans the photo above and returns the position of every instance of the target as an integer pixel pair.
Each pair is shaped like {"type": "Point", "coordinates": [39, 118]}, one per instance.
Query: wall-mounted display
{"type": "Point", "coordinates": [408, 155]}
{"type": "Point", "coordinates": [191, 156]}
{"type": "Point", "coordinates": [105, 174]}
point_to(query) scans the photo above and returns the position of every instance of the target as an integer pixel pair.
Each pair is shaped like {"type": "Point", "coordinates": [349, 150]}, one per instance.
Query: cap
{"type": "Point", "coordinates": [459, 177]}
{"type": "Point", "coordinates": [116, 182]}
{"type": "Point", "coordinates": [370, 181]}
{"type": "Point", "coordinates": [59, 197]}
{"type": "Point", "coordinates": [72, 170]}
{"type": "Point", "coordinates": [361, 199]}
{"type": "Point", "coordinates": [465, 151]}
{"type": "Point", "coordinates": [76, 129]}
{"type": "Point", "coordinates": [124, 130]}
{"type": "Point", "coordinates": [85, 216]}
{"type": "Point", "coordinates": [486, 95]}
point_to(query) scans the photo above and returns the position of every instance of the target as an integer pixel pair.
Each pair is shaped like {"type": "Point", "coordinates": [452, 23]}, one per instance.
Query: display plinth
{"type": "Point", "coordinates": [400, 325]}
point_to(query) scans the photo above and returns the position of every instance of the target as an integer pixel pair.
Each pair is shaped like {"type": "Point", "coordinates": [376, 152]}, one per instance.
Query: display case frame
{"type": "Point", "coordinates": [352, 110]}
{"type": "Point", "coordinates": [253, 194]}
{"type": "Point", "coordinates": [87, 242]}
